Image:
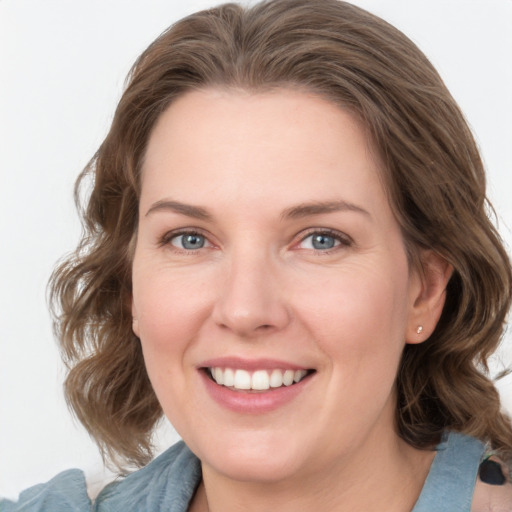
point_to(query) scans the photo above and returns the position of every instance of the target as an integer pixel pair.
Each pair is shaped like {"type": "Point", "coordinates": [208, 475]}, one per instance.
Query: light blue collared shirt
{"type": "Point", "coordinates": [169, 482]}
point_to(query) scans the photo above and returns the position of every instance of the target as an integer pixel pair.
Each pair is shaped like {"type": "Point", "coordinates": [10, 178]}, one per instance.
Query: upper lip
{"type": "Point", "coordinates": [251, 364]}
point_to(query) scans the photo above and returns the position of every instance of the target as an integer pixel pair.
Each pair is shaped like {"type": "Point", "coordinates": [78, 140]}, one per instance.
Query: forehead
{"type": "Point", "coordinates": [287, 143]}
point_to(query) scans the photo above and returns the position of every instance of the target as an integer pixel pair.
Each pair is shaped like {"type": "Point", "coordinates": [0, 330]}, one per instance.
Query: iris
{"type": "Point", "coordinates": [191, 241]}
{"type": "Point", "coordinates": [321, 241]}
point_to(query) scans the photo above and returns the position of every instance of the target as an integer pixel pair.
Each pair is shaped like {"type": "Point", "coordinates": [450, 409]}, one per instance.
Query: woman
{"type": "Point", "coordinates": [287, 253]}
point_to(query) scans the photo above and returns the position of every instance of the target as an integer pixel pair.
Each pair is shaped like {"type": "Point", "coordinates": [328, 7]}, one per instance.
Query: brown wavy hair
{"type": "Point", "coordinates": [435, 181]}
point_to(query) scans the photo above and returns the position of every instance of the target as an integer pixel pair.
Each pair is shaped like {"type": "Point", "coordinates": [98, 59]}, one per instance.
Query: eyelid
{"type": "Point", "coordinates": [167, 238]}
{"type": "Point", "coordinates": [343, 239]}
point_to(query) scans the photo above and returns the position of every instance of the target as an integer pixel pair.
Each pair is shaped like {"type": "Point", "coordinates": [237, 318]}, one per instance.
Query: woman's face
{"type": "Point", "coordinates": [267, 251]}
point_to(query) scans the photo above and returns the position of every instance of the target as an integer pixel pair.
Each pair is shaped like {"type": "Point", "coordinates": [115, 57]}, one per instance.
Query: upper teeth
{"type": "Point", "coordinates": [259, 380]}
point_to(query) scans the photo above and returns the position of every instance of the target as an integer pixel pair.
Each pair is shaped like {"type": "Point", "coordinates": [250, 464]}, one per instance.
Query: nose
{"type": "Point", "coordinates": [250, 300]}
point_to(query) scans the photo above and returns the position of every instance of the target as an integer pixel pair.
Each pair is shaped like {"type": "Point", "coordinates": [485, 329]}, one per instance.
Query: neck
{"type": "Point", "coordinates": [381, 474]}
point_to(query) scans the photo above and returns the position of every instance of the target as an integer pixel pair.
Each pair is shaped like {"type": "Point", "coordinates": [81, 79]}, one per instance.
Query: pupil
{"type": "Point", "coordinates": [323, 242]}
{"type": "Point", "coordinates": [193, 241]}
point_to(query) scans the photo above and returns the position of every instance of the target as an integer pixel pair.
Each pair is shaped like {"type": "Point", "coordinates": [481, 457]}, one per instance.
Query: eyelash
{"type": "Point", "coordinates": [167, 238]}
{"type": "Point", "coordinates": [343, 239]}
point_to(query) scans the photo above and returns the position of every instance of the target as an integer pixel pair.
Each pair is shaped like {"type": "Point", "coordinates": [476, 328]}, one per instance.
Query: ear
{"type": "Point", "coordinates": [135, 321]}
{"type": "Point", "coordinates": [429, 294]}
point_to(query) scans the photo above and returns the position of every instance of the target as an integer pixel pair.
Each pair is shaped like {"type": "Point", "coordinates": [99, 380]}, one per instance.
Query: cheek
{"type": "Point", "coordinates": [358, 318]}
{"type": "Point", "coordinates": [168, 321]}
{"type": "Point", "coordinates": [169, 312]}
{"type": "Point", "coordinates": [358, 298]}
{"type": "Point", "coordinates": [168, 305]}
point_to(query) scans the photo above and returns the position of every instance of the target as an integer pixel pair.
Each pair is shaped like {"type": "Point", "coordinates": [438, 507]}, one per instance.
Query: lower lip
{"type": "Point", "coordinates": [250, 402]}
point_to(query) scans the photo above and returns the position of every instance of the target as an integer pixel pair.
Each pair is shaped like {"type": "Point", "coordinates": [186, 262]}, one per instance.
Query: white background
{"type": "Point", "coordinates": [62, 67]}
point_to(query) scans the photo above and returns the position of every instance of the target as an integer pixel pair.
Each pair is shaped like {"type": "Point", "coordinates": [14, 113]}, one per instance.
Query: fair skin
{"type": "Point", "coordinates": [266, 243]}
{"type": "Point", "coordinates": [493, 498]}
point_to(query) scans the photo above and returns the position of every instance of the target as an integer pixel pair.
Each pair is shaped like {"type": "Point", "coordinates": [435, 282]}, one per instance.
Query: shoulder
{"type": "Point", "coordinates": [67, 492]}
{"type": "Point", "coordinates": [493, 489]}
{"type": "Point", "coordinates": [452, 480]}
{"type": "Point", "coordinates": [491, 486]}
{"type": "Point", "coordinates": [166, 484]}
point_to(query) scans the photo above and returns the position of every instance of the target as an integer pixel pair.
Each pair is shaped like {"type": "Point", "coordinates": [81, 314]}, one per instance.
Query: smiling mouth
{"type": "Point", "coordinates": [259, 380]}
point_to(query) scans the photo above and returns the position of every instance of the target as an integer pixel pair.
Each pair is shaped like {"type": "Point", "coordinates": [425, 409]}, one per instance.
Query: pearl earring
{"type": "Point", "coordinates": [419, 330]}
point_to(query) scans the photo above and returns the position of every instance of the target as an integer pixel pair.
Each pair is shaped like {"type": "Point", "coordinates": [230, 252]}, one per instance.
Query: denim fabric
{"type": "Point", "coordinates": [64, 493]}
{"type": "Point", "coordinates": [451, 481]}
{"type": "Point", "coordinates": [168, 483]}
{"type": "Point", "coordinates": [165, 485]}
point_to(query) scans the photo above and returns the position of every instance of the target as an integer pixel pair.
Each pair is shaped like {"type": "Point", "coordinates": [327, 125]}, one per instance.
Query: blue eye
{"type": "Point", "coordinates": [189, 241]}
{"type": "Point", "coordinates": [320, 241]}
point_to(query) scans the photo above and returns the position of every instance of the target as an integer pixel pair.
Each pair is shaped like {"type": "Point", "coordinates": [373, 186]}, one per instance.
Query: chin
{"type": "Point", "coordinates": [265, 468]}
{"type": "Point", "coordinates": [262, 459]}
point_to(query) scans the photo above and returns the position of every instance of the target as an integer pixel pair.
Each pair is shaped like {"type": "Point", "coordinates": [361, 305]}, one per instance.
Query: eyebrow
{"type": "Point", "coordinates": [321, 207]}
{"type": "Point", "coordinates": [196, 212]}
{"type": "Point", "coordinates": [294, 212]}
